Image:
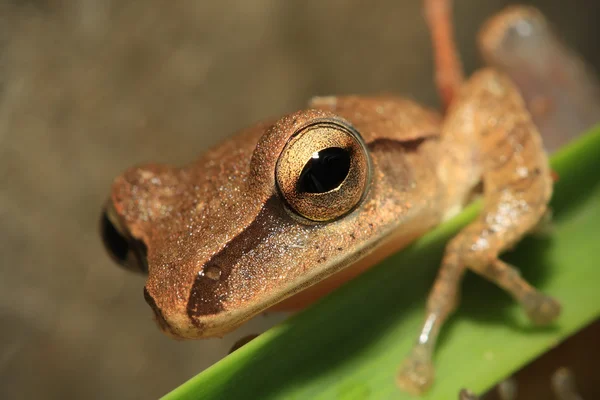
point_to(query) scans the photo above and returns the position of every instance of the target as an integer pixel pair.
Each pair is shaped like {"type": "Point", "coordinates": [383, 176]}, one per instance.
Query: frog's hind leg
{"type": "Point", "coordinates": [517, 187]}
{"type": "Point", "coordinates": [448, 67]}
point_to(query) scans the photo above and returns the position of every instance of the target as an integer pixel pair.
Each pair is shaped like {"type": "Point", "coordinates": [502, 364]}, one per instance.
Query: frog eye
{"type": "Point", "coordinates": [124, 250]}
{"type": "Point", "coordinates": [324, 170]}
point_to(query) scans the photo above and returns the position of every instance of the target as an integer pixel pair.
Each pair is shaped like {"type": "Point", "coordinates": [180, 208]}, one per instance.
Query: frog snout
{"type": "Point", "coordinates": [125, 250]}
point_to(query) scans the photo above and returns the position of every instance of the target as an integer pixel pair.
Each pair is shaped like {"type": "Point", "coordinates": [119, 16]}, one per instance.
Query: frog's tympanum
{"type": "Point", "coordinates": [286, 210]}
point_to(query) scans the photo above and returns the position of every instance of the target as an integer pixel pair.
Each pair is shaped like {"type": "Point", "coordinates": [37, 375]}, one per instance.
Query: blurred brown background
{"type": "Point", "coordinates": [91, 87]}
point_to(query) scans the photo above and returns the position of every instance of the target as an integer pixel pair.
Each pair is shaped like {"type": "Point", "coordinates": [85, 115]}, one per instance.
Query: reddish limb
{"type": "Point", "coordinates": [448, 67]}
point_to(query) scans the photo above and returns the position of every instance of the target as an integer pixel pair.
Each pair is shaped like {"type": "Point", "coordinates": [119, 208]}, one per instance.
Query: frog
{"type": "Point", "coordinates": [289, 209]}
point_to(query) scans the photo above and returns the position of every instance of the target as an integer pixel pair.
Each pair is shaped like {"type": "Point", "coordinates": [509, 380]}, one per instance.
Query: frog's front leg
{"type": "Point", "coordinates": [490, 116]}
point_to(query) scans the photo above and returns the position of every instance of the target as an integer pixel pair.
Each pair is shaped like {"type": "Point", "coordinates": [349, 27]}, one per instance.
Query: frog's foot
{"type": "Point", "coordinates": [563, 385]}
{"type": "Point", "coordinates": [466, 394]}
{"type": "Point", "coordinates": [417, 372]}
{"type": "Point", "coordinates": [507, 389]}
{"type": "Point", "coordinates": [540, 309]}
{"type": "Point", "coordinates": [242, 341]}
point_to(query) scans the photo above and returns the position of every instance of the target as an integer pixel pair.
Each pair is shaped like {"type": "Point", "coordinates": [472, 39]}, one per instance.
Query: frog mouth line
{"type": "Point", "coordinates": [158, 316]}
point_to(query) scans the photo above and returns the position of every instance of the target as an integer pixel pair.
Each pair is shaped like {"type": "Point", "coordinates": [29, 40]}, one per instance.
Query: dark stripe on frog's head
{"type": "Point", "coordinates": [211, 285]}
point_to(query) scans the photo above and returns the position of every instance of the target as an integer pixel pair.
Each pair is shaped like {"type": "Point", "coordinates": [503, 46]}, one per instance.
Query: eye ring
{"type": "Point", "coordinates": [324, 170]}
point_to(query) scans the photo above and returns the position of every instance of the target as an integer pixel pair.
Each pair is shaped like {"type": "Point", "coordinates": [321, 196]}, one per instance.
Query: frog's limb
{"type": "Point", "coordinates": [490, 114]}
{"type": "Point", "coordinates": [507, 389]}
{"type": "Point", "coordinates": [466, 394]}
{"type": "Point", "coordinates": [561, 90]}
{"type": "Point", "coordinates": [242, 342]}
{"type": "Point", "coordinates": [448, 67]}
{"type": "Point", "coordinates": [563, 385]}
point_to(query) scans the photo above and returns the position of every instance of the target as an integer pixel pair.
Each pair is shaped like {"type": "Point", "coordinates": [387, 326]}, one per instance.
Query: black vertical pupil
{"type": "Point", "coordinates": [325, 171]}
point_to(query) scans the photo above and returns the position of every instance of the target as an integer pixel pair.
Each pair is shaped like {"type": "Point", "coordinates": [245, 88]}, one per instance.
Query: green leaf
{"type": "Point", "coordinates": [350, 344]}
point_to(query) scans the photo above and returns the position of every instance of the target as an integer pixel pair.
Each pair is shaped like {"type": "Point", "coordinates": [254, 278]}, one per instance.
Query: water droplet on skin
{"type": "Point", "coordinates": [212, 272]}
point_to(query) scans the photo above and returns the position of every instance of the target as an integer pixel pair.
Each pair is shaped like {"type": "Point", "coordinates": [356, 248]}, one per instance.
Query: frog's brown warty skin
{"type": "Point", "coordinates": [287, 210]}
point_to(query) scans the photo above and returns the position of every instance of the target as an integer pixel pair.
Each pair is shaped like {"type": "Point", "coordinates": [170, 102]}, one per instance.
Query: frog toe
{"type": "Point", "coordinates": [416, 374]}
{"type": "Point", "coordinates": [541, 309]}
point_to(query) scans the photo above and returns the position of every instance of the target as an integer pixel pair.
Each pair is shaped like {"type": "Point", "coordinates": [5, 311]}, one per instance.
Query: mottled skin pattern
{"type": "Point", "coordinates": [221, 243]}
